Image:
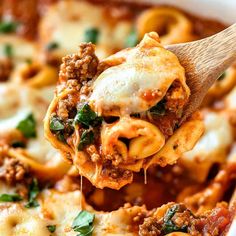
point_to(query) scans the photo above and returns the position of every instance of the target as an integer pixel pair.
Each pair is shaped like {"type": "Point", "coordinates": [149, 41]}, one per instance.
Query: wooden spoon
{"type": "Point", "coordinates": [204, 61]}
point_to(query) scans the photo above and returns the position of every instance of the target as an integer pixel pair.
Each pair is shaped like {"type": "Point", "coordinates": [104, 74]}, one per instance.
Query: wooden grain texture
{"type": "Point", "coordinates": [204, 61]}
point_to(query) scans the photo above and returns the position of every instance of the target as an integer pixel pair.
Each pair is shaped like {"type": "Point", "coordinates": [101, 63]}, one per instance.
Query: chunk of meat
{"type": "Point", "coordinates": [175, 97]}
{"type": "Point", "coordinates": [6, 67]}
{"type": "Point", "coordinates": [81, 66]}
{"type": "Point", "coordinates": [12, 170]}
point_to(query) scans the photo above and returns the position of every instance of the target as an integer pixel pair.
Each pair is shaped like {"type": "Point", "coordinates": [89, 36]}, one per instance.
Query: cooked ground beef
{"type": "Point", "coordinates": [175, 97]}
{"type": "Point", "coordinates": [178, 218]}
{"type": "Point", "coordinates": [5, 68]}
{"type": "Point", "coordinates": [13, 170]}
{"type": "Point", "coordinates": [80, 66]}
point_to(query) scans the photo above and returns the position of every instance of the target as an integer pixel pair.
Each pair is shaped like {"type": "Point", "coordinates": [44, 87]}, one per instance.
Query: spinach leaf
{"type": "Point", "coordinates": [56, 124]}
{"type": "Point", "coordinates": [169, 226]}
{"type": "Point", "coordinates": [51, 228]}
{"type": "Point", "coordinates": [86, 138]}
{"type": "Point", "coordinates": [132, 39]}
{"type": "Point", "coordinates": [158, 109]}
{"type": "Point", "coordinates": [33, 193]}
{"type": "Point", "coordinates": [8, 26]}
{"type": "Point", "coordinates": [91, 35]}
{"type": "Point", "coordinates": [8, 51]}
{"type": "Point", "coordinates": [87, 117]}
{"type": "Point", "coordinates": [83, 223]}
{"type": "Point", "coordinates": [10, 197]}
{"type": "Point", "coordinates": [28, 126]}
{"type": "Point", "coordinates": [52, 46]}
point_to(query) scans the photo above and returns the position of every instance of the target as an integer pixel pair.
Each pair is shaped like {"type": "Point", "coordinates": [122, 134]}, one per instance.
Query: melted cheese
{"type": "Point", "coordinates": [19, 221]}
{"type": "Point", "coordinates": [60, 209]}
{"type": "Point", "coordinates": [230, 100]}
{"type": "Point", "coordinates": [211, 148]}
{"type": "Point", "coordinates": [19, 45]}
{"type": "Point", "coordinates": [67, 21]}
{"type": "Point", "coordinates": [21, 101]}
{"type": "Point", "coordinates": [140, 78]}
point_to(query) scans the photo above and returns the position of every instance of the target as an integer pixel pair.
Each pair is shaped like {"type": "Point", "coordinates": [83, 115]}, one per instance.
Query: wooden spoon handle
{"type": "Point", "coordinates": [209, 56]}
{"type": "Point", "coordinates": [204, 61]}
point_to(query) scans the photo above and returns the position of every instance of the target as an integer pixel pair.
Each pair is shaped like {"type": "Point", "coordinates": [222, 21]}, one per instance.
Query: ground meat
{"type": "Point", "coordinates": [5, 68]}
{"type": "Point", "coordinates": [80, 66]}
{"type": "Point", "coordinates": [150, 227]}
{"type": "Point", "coordinates": [67, 106]}
{"type": "Point", "coordinates": [113, 172]}
{"type": "Point", "coordinates": [215, 222]}
{"type": "Point", "coordinates": [178, 218]}
{"type": "Point", "coordinates": [62, 111]}
{"type": "Point", "coordinates": [175, 98]}
{"type": "Point", "coordinates": [13, 170]}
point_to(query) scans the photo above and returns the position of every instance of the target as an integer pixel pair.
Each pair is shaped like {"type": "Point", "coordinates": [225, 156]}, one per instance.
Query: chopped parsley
{"type": "Point", "coordinates": [10, 197]}
{"type": "Point", "coordinates": [91, 35]}
{"type": "Point", "coordinates": [158, 109]}
{"type": "Point", "coordinates": [62, 129]}
{"type": "Point", "coordinates": [168, 225]}
{"type": "Point", "coordinates": [33, 193]}
{"type": "Point", "coordinates": [51, 228]}
{"type": "Point", "coordinates": [28, 126]}
{"type": "Point", "coordinates": [86, 138]}
{"type": "Point", "coordinates": [56, 124]}
{"type": "Point", "coordinates": [8, 51]}
{"type": "Point", "coordinates": [87, 117]}
{"type": "Point", "coordinates": [83, 223]}
{"type": "Point", "coordinates": [132, 39]}
{"type": "Point", "coordinates": [52, 46]}
{"type": "Point", "coordinates": [8, 26]}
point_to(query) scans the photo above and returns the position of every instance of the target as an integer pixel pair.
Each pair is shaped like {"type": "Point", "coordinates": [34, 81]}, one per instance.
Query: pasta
{"type": "Point", "coordinates": [22, 102]}
{"type": "Point", "coordinates": [129, 168]}
{"type": "Point", "coordinates": [171, 24]}
{"type": "Point", "coordinates": [137, 90]}
{"type": "Point", "coordinates": [68, 21]}
{"type": "Point", "coordinates": [35, 75]}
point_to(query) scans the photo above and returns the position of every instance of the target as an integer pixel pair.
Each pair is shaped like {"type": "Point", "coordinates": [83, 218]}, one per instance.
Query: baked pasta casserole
{"type": "Point", "coordinates": [92, 136]}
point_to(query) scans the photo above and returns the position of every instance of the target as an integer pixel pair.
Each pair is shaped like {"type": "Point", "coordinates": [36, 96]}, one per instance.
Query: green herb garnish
{"type": "Point", "coordinates": [132, 39]}
{"type": "Point", "coordinates": [87, 117]}
{"type": "Point", "coordinates": [168, 225]}
{"type": "Point", "coordinates": [52, 46]}
{"type": "Point", "coordinates": [8, 51]}
{"type": "Point", "coordinates": [33, 193]}
{"type": "Point", "coordinates": [56, 124]}
{"type": "Point", "coordinates": [17, 144]}
{"type": "Point", "coordinates": [8, 26]}
{"type": "Point", "coordinates": [10, 197]}
{"type": "Point", "coordinates": [28, 126]}
{"type": "Point", "coordinates": [158, 109]}
{"type": "Point", "coordinates": [51, 228]}
{"type": "Point", "coordinates": [91, 35]}
{"type": "Point", "coordinates": [83, 223]}
{"type": "Point", "coordinates": [87, 138]}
